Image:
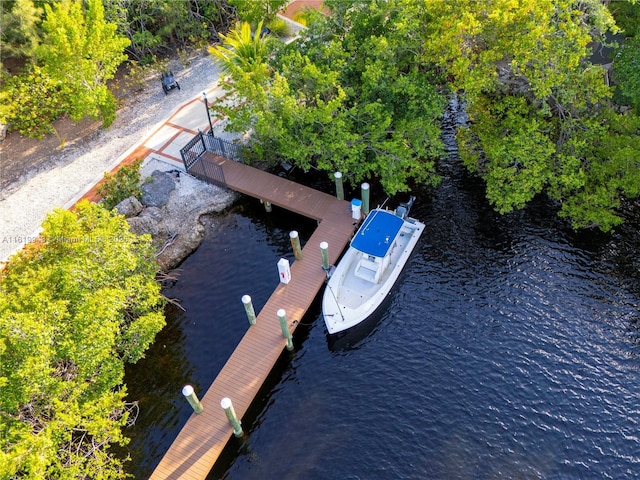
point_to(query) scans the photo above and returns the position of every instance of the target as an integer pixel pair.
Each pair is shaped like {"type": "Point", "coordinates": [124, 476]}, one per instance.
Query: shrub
{"type": "Point", "coordinates": [626, 67]}
{"type": "Point", "coordinates": [32, 101]}
{"type": "Point", "coordinates": [300, 17]}
{"type": "Point", "coordinates": [124, 183]}
{"type": "Point", "coordinates": [279, 27]}
{"type": "Point", "coordinates": [73, 313]}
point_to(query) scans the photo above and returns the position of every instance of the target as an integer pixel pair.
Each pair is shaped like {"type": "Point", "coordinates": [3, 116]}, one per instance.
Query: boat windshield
{"type": "Point", "coordinates": [377, 233]}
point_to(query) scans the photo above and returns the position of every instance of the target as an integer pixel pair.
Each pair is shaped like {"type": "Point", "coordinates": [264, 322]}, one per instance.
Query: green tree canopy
{"type": "Point", "coordinates": [627, 72]}
{"type": "Point", "coordinates": [73, 311]}
{"type": "Point", "coordinates": [82, 50]}
{"type": "Point", "coordinates": [19, 34]}
{"type": "Point", "coordinates": [351, 97]}
{"type": "Point", "coordinates": [29, 103]}
{"type": "Point", "coordinates": [156, 27]}
{"type": "Point", "coordinates": [363, 92]}
{"type": "Point", "coordinates": [258, 11]}
{"type": "Point", "coordinates": [626, 64]}
{"type": "Point", "coordinates": [541, 118]}
{"type": "Point", "coordinates": [68, 70]}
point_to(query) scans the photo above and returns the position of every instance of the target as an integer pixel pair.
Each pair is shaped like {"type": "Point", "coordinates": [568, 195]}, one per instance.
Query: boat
{"type": "Point", "coordinates": [370, 267]}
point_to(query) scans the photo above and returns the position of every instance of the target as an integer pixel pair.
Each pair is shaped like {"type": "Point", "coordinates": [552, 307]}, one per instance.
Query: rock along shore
{"type": "Point", "coordinates": [172, 205]}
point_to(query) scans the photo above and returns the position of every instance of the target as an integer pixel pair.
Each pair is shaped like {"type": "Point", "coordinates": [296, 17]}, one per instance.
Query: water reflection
{"type": "Point", "coordinates": [356, 337]}
{"type": "Point", "coordinates": [152, 383]}
{"type": "Point", "coordinates": [237, 257]}
{"type": "Point", "coordinates": [509, 350]}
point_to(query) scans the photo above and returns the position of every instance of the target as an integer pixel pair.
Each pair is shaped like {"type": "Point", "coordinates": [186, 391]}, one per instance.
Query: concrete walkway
{"type": "Point", "coordinates": [165, 143]}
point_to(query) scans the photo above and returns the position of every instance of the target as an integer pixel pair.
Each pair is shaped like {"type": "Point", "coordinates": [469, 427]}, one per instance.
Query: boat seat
{"type": "Point", "coordinates": [368, 270]}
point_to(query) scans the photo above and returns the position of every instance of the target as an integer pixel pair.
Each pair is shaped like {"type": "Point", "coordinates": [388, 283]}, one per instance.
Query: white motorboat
{"type": "Point", "coordinates": [368, 270]}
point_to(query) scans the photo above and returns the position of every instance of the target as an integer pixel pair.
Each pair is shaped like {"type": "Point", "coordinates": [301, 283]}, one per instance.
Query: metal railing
{"type": "Point", "coordinates": [192, 151]}
{"type": "Point", "coordinates": [210, 172]}
{"type": "Point", "coordinates": [221, 147]}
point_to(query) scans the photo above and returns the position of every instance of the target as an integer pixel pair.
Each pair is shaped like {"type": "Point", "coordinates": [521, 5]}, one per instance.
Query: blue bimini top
{"type": "Point", "coordinates": [377, 233]}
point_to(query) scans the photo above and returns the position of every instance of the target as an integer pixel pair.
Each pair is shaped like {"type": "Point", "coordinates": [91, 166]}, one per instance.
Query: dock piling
{"type": "Point", "coordinates": [339, 188]}
{"type": "Point", "coordinates": [364, 188]}
{"type": "Point", "coordinates": [248, 308]}
{"type": "Point", "coordinates": [192, 398]}
{"type": "Point", "coordinates": [282, 317]}
{"type": "Point", "coordinates": [202, 440]}
{"type": "Point", "coordinates": [267, 205]}
{"type": "Point", "coordinates": [226, 404]}
{"type": "Point", "coordinates": [295, 244]}
{"type": "Point", "coordinates": [324, 252]}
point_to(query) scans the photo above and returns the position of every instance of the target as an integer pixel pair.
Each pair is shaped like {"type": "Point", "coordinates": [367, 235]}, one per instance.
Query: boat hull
{"type": "Point", "coordinates": [349, 298]}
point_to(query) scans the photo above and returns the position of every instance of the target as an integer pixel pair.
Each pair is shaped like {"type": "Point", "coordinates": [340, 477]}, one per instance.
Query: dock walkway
{"type": "Point", "coordinates": [204, 436]}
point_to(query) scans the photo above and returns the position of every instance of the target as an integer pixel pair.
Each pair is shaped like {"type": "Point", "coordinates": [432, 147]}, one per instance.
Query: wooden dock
{"type": "Point", "coordinates": [204, 436]}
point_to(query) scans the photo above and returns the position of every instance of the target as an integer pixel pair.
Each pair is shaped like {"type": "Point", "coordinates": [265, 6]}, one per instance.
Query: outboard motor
{"type": "Point", "coordinates": [402, 210]}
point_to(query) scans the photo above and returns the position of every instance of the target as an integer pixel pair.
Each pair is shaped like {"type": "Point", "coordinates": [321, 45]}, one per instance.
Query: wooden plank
{"type": "Point", "coordinates": [204, 436]}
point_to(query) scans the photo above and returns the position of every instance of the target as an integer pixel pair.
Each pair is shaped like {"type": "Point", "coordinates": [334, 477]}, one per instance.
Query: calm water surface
{"type": "Point", "coordinates": [510, 349]}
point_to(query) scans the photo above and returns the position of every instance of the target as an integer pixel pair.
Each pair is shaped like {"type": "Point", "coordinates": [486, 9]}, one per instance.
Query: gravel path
{"type": "Point", "coordinates": [76, 169]}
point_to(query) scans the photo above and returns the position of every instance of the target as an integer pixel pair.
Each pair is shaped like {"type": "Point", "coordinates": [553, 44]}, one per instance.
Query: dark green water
{"type": "Point", "coordinates": [509, 350]}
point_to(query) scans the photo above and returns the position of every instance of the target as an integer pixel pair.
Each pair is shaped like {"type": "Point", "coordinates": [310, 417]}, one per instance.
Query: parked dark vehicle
{"type": "Point", "coordinates": [169, 82]}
